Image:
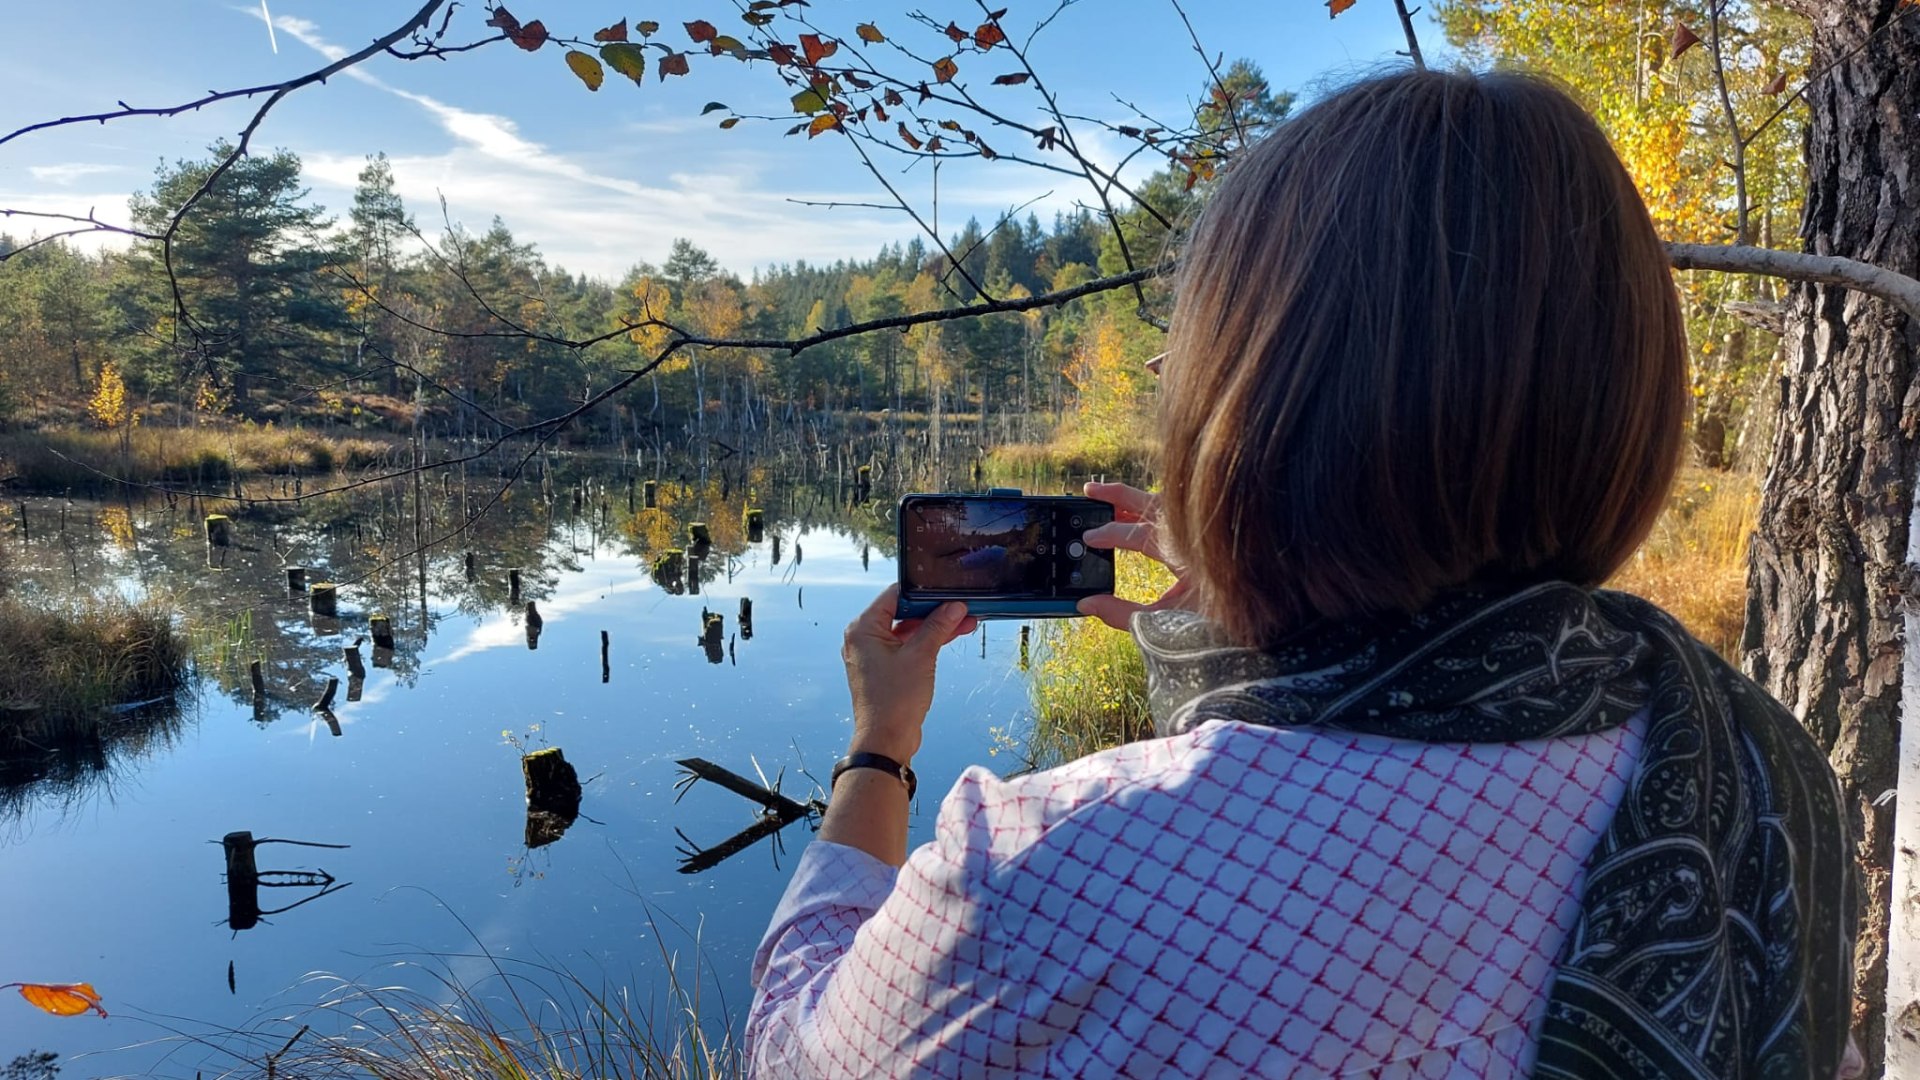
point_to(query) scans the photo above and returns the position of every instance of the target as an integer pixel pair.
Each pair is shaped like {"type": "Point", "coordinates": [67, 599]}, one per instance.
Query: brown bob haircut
{"type": "Point", "coordinates": [1425, 337]}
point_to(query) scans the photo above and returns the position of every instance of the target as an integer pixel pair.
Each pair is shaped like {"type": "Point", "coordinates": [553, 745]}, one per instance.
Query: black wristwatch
{"type": "Point", "coordinates": [885, 764]}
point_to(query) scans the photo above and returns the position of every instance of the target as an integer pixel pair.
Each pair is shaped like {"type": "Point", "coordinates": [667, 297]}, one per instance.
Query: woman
{"type": "Point", "coordinates": [1423, 803]}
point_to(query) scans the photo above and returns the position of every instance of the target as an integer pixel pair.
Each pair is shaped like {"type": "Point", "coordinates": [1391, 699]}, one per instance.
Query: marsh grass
{"type": "Point", "coordinates": [83, 460]}
{"type": "Point", "coordinates": [1090, 686]}
{"type": "Point", "coordinates": [1694, 564]}
{"type": "Point", "coordinates": [1079, 449]}
{"type": "Point", "coordinates": [520, 1021]}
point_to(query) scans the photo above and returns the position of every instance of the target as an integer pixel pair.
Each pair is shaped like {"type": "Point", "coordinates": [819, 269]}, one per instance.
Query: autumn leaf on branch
{"type": "Point", "coordinates": [1011, 79]}
{"type": "Point", "coordinates": [907, 136]}
{"type": "Point", "coordinates": [988, 35]}
{"type": "Point", "coordinates": [781, 54]}
{"type": "Point", "coordinates": [616, 32]}
{"type": "Point", "coordinates": [945, 69]}
{"type": "Point", "coordinates": [1335, 7]}
{"type": "Point", "coordinates": [529, 37]}
{"type": "Point", "coordinates": [823, 122]}
{"type": "Point", "coordinates": [870, 33]}
{"type": "Point", "coordinates": [587, 68]}
{"type": "Point", "coordinates": [647, 27]}
{"type": "Point", "coordinates": [1683, 38]}
{"type": "Point", "coordinates": [816, 48]}
{"type": "Point", "coordinates": [701, 31]}
{"type": "Point", "coordinates": [672, 64]}
{"type": "Point", "coordinates": [955, 34]}
{"type": "Point", "coordinates": [628, 60]}
{"type": "Point", "coordinates": [60, 999]}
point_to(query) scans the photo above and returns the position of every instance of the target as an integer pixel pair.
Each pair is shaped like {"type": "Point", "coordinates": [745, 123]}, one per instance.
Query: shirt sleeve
{"type": "Point", "coordinates": [867, 972]}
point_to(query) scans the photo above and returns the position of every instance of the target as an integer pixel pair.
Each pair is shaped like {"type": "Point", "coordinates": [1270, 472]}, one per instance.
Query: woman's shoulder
{"type": "Point", "coordinates": [1229, 771]}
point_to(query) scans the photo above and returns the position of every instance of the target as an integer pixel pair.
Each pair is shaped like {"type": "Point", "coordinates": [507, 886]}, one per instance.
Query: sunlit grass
{"type": "Point", "coordinates": [1078, 448]}
{"type": "Point", "coordinates": [1089, 683]}
{"type": "Point", "coordinates": [1695, 563]}
{"type": "Point", "coordinates": [66, 665]}
{"type": "Point", "coordinates": [79, 459]}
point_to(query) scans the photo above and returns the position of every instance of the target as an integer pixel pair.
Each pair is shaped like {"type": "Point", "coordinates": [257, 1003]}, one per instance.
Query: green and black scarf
{"type": "Point", "coordinates": [1715, 935]}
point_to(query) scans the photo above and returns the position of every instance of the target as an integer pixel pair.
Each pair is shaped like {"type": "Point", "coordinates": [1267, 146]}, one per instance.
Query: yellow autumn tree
{"type": "Point", "coordinates": [108, 406]}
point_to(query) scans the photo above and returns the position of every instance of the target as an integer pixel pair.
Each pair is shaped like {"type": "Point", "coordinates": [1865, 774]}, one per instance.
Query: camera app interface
{"type": "Point", "coordinates": [999, 547]}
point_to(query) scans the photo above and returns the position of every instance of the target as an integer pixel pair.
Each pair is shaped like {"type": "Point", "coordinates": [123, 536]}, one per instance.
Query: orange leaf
{"type": "Point", "coordinates": [824, 122]}
{"type": "Point", "coordinates": [907, 136]}
{"type": "Point", "coordinates": [879, 113]}
{"type": "Point", "coordinates": [529, 37]}
{"type": "Point", "coordinates": [61, 999]}
{"type": "Point", "coordinates": [1683, 38]}
{"type": "Point", "coordinates": [870, 33]}
{"type": "Point", "coordinates": [1335, 7]}
{"type": "Point", "coordinates": [950, 125]}
{"type": "Point", "coordinates": [672, 64]}
{"type": "Point", "coordinates": [647, 27]}
{"type": "Point", "coordinates": [933, 145]}
{"type": "Point", "coordinates": [1014, 79]}
{"type": "Point", "coordinates": [701, 31]}
{"type": "Point", "coordinates": [988, 35]}
{"type": "Point", "coordinates": [817, 48]}
{"type": "Point", "coordinates": [616, 32]}
{"type": "Point", "coordinates": [945, 69]}
{"type": "Point", "coordinates": [892, 97]}
{"type": "Point", "coordinates": [955, 34]}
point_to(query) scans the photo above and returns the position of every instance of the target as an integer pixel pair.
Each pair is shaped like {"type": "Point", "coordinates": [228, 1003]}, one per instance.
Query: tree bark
{"type": "Point", "coordinates": [1828, 566]}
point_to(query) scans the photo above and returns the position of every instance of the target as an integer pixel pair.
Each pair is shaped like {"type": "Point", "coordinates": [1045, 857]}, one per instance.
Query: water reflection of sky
{"type": "Point", "coordinates": [125, 891]}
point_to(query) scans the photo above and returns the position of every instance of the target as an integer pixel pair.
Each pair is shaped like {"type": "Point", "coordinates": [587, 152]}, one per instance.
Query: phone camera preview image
{"type": "Point", "coordinates": [1012, 548]}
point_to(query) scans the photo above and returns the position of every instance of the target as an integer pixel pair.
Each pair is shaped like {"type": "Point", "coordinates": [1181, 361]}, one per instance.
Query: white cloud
{"type": "Point", "coordinates": [68, 172]}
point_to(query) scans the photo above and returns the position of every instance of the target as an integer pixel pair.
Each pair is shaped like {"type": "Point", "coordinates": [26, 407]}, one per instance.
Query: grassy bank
{"type": "Point", "coordinates": [74, 459]}
{"type": "Point", "coordinates": [1077, 449]}
{"type": "Point", "coordinates": [65, 668]}
{"type": "Point", "coordinates": [1089, 685]}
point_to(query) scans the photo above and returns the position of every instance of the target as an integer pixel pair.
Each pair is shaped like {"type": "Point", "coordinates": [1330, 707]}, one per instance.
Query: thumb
{"type": "Point", "coordinates": [938, 627]}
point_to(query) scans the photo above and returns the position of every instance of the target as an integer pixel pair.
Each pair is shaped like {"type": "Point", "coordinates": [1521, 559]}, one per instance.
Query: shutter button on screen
{"type": "Point", "coordinates": [1076, 549]}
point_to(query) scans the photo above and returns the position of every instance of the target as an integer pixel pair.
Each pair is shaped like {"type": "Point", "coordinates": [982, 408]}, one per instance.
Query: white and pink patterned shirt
{"type": "Point", "coordinates": [1233, 901]}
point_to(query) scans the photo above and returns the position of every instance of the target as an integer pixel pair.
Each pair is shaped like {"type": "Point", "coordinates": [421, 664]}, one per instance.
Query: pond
{"type": "Point", "coordinates": [114, 869]}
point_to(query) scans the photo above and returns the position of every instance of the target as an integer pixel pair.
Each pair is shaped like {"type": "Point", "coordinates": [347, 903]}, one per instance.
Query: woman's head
{"type": "Point", "coordinates": [1425, 337]}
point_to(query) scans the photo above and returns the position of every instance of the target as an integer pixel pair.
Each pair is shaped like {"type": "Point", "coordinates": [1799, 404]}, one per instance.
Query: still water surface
{"type": "Point", "coordinates": [119, 882]}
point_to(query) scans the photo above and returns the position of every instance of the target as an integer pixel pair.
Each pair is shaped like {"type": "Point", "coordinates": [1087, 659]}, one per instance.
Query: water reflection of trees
{"type": "Point", "coordinates": [64, 774]}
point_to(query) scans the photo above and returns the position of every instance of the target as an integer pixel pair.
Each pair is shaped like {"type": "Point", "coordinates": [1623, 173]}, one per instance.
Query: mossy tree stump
{"type": "Point", "coordinates": [553, 795]}
{"type": "Point", "coordinates": [324, 598]}
{"type": "Point", "coordinates": [381, 627]}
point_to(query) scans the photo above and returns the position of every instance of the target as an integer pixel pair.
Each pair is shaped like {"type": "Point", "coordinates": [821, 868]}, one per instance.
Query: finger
{"type": "Point", "coordinates": [1111, 610]}
{"type": "Point", "coordinates": [1130, 536]}
{"type": "Point", "coordinates": [1129, 503]}
{"type": "Point", "coordinates": [936, 629]}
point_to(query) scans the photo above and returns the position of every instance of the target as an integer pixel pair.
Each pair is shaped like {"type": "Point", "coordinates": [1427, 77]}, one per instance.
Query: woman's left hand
{"type": "Point", "coordinates": [890, 672]}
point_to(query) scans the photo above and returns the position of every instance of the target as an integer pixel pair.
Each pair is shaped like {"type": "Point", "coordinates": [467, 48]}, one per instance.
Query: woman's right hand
{"type": "Point", "coordinates": [1133, 529]}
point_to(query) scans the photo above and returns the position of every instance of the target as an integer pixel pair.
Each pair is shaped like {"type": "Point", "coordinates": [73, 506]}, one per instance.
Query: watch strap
{"type": "Point", "coordinates": [866, 760]}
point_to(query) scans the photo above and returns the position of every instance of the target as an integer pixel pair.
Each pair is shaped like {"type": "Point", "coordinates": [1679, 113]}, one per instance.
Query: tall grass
{"type": "Point", "coordinates": [66, 666]}
{"type": "Point", "coordinates": [89, 460]}
{"type": "Point", "coordinates": [1082, 449]}
{"type": "Point", "coordinates": [522, 1021]}
{"type": "Point", "coordinates": [1695, 562]}
{"type": "Point", "coordinates": [1090, 685]}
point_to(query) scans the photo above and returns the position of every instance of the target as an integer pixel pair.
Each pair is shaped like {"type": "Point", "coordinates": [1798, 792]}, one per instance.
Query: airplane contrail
{"type": "Point", "coordinates": [267, 17]}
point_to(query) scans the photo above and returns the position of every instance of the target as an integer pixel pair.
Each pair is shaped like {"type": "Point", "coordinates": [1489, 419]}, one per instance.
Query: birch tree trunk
{"type": "Point", "coordinates": [1829, 564]}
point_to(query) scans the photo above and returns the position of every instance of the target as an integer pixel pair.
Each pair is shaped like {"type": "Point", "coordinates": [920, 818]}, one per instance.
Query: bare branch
{"type": "Point", "coordinates": [1413, 39]}
{"type": "Point", "coordinates": [1899, 290]}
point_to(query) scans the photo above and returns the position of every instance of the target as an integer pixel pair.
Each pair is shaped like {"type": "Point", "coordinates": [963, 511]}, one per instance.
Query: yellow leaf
{"type": "Point", "coordinates": [587, 68]}
{"type": "Point", "coordinates": [61, 999]}
{"type": "Point", "coordinates": [826, 121]}
{"type": "Point", "coordinates": [870, 33]}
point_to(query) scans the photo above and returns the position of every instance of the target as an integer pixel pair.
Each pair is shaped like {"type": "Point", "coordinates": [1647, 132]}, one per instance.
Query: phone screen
{"type": "Point", "coordinates": [1003, 546]}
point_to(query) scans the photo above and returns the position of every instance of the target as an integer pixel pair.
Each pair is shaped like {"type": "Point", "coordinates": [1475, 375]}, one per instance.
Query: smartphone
{"type": "Point", "coordinates": [1008, 555]}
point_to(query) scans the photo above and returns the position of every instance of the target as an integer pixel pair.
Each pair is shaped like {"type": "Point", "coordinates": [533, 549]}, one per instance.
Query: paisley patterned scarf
{"type": "Point", "coordinates": [1715, 936]}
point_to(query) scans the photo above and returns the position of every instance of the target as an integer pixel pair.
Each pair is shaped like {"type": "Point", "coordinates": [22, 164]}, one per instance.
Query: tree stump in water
{"type": "Point", "coordinates": [381, 627]}
{"type": "Point", "coordinates": [651, 494]}
{"type": "Point", "coordinates": [471, 566]}
{"type": "Point", "coordinates": [324, 598]}
{"type": "Point", "coordinates": [513, 586]}
{"type": "Point", "coordinates": [694, 563]}
{"type": "Point", "coordinates": [296, 580]}
{"type": "Point", "coordinates": [243, 881]}
{"type": "Point", "coordinates": [756, 524]}
{"type": "Point", "coordinates": [746, 618]}
{"type": "Point", "coordinates": [553, 795]}
{"type": "Point", "coordinates": [219, 530]}
{"type": "Point", "coordinates": [534, 625]}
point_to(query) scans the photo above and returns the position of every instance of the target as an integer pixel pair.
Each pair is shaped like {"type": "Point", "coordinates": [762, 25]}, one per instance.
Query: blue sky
{"type": "Point", "coordinates": [598, 181]}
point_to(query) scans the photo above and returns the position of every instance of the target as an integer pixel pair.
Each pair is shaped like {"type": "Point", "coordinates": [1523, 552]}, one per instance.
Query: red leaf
{"type": "Point", "coordinates": [1778, 85]}
{"type": "Point", "coordinates": [701, 31]}
{"type": "Point", "coordinates": [907, 136]}
{"type": "Point", "coordinates": [817, 48]}
{"type": "Point", "coordinates": [504, 20]}
{"type": "Point", "coordinates": [956, 34]}
{"type": "Point", "coordinates": [945, 69]}
{"type": "Point", "coordinates": [672, 64]}
{"type": "Point", "coordinates": [780, 54]}
{"type": "Point", "coordinates": [616, 32]}
{"type": "Point", "coordinates": [857, 82]}
{"type": "Point", "coordinates": [531, 36]}
{"type": "Point", "coordinates": [986, 151]}
{"type": "Point", "coordinates": [996, 16]}
{"type": "Point", "coordinates": [933, 145]}
{"type": "Point", "coordinates": [870, 33]}
{"type": "Point", "coordinates": [987, 35]}
{"type": "Point", "coordinates": [1683, 38]}
{"type": "Point", "coordinates": [892, 97]}
{"type": "Point", "coordinates": [879, 113]}
{"type": "Point", "coordinates": [1014, 79]}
